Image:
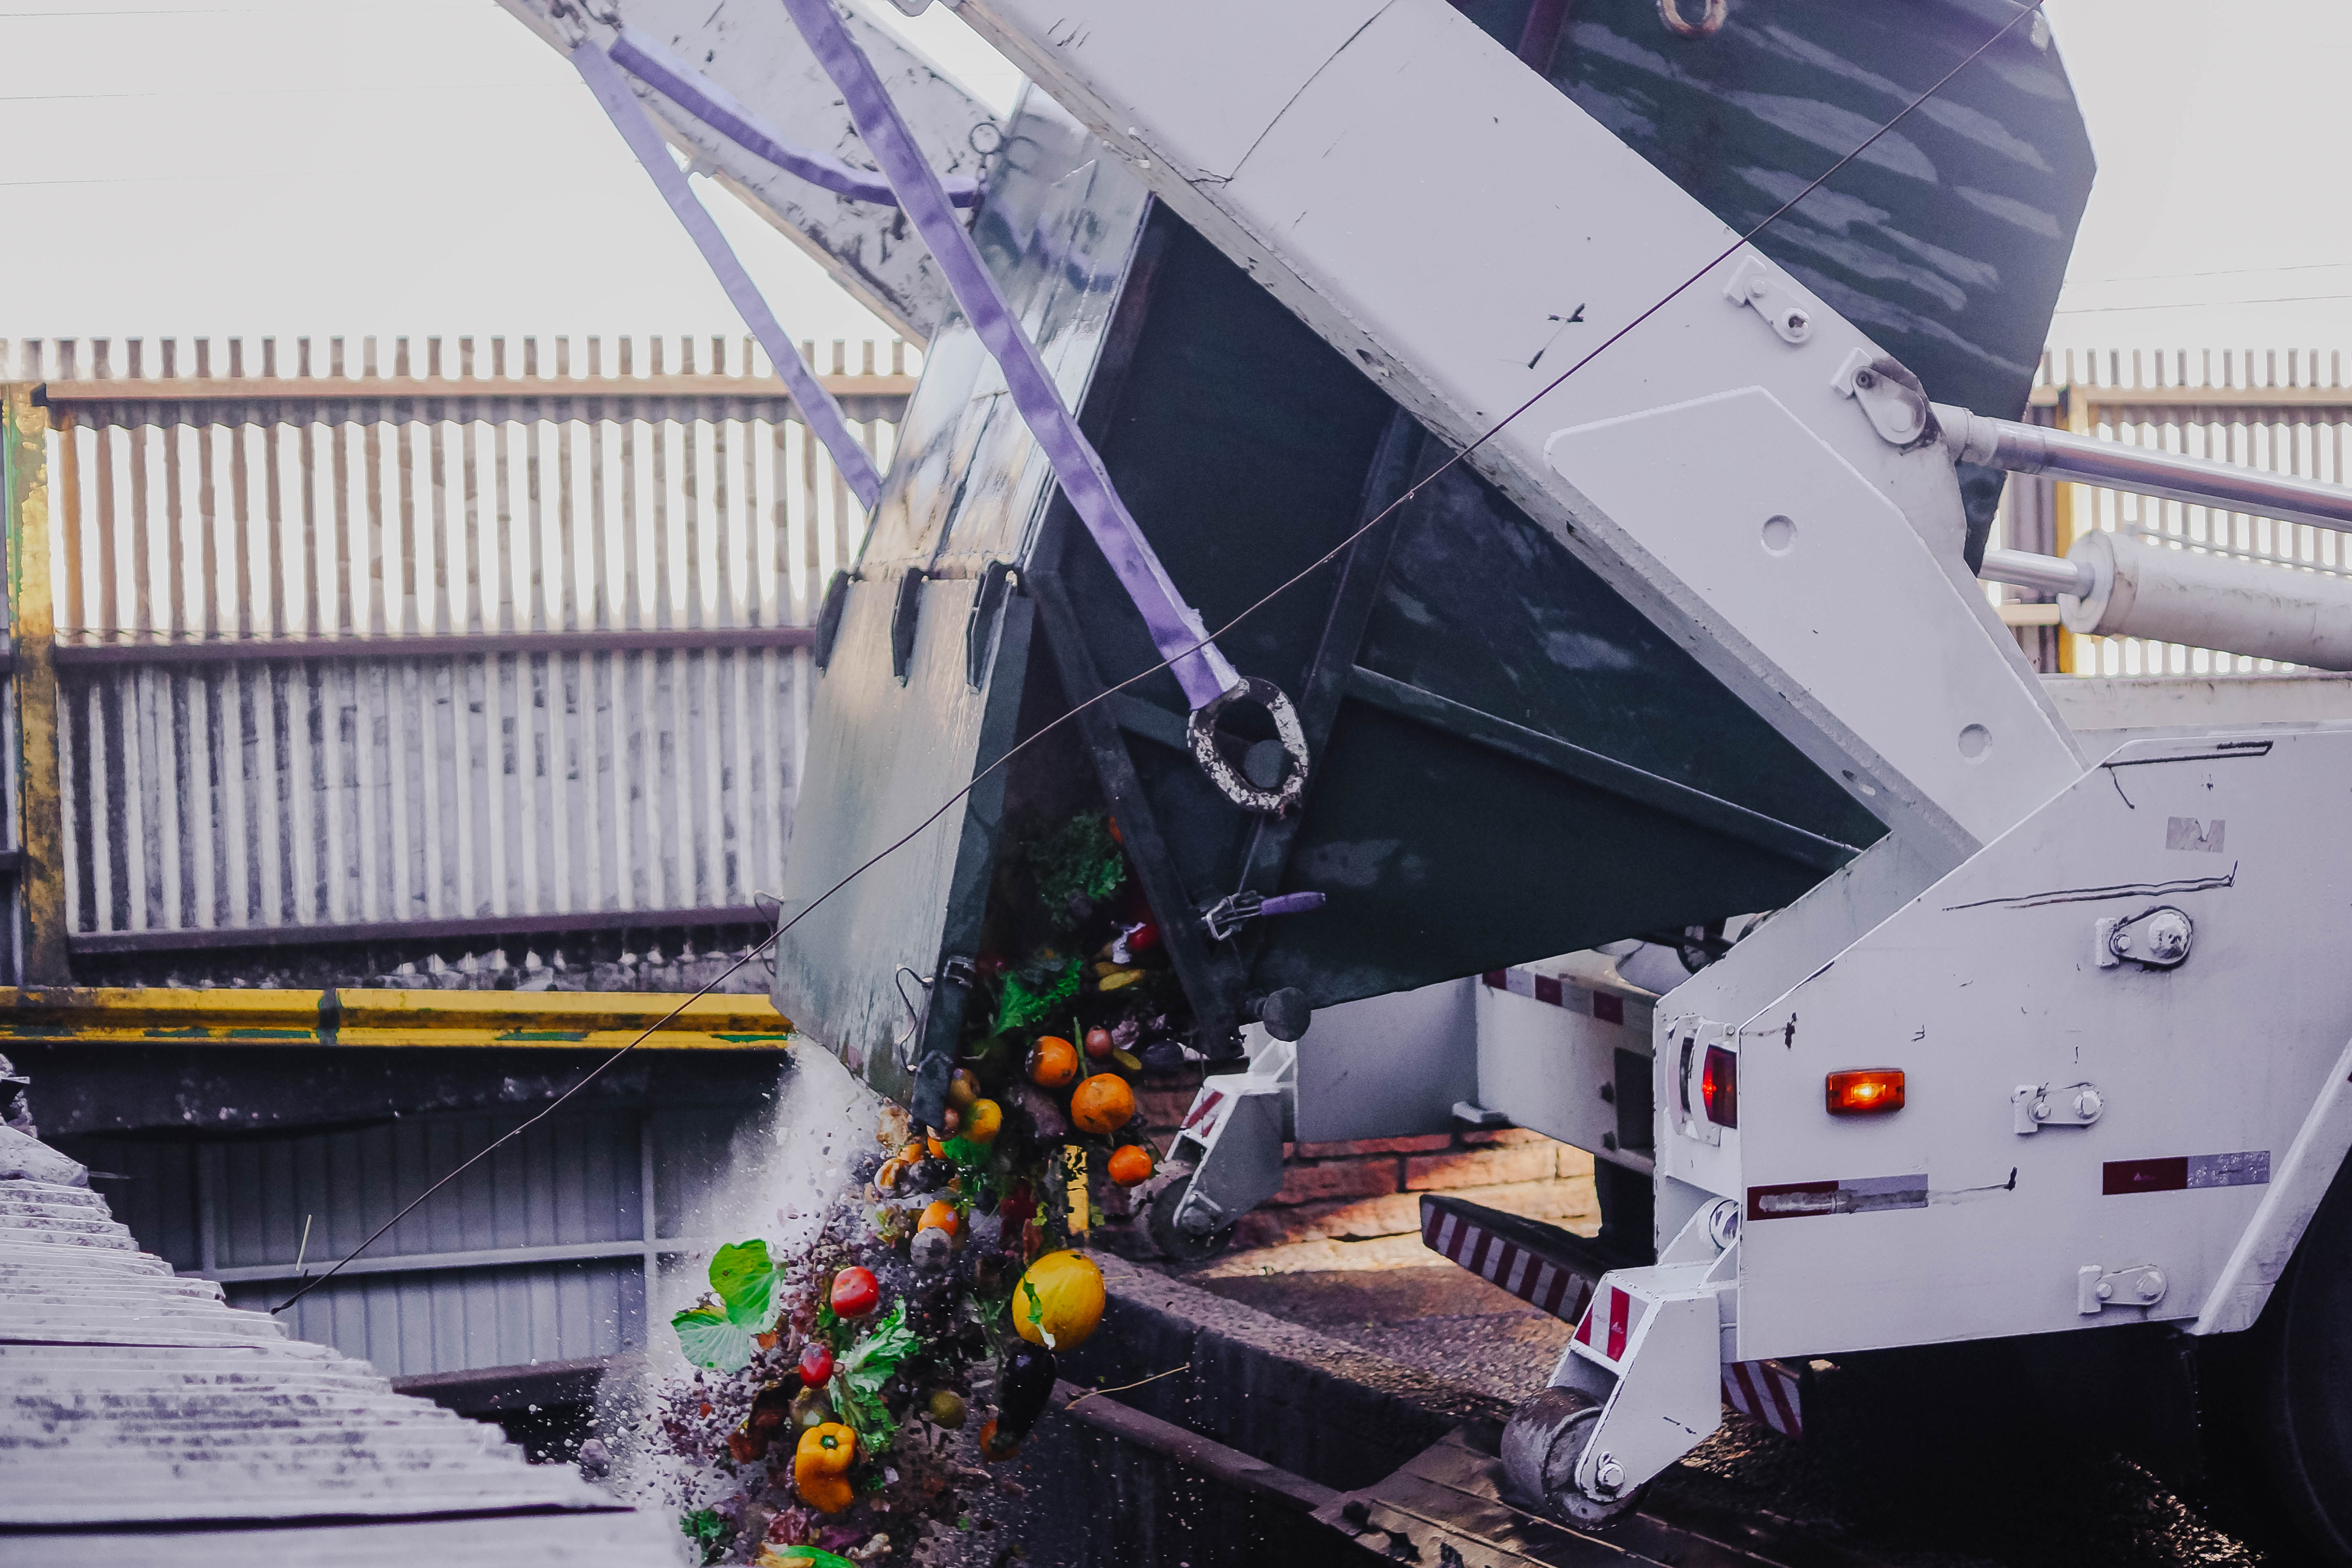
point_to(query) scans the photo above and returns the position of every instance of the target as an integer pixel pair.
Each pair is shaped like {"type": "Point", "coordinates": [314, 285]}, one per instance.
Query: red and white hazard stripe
{"type": "Point", "coordinates": [1606, 1005]}
{"type": "Point", "coordinates": [1765, 1391]}
{"type": "Point", "coordinates": [1531, 1278]}
{"type": "Point", "coordinates": [1608, 1324]}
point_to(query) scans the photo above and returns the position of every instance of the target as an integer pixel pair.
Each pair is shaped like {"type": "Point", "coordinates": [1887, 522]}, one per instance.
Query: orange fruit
{"type": "Point", "coordinates": [940, 1214]}
{"type": "Point", "coordinates": [1053, 1062]}
{"type": "Point", "coordinates": [1130, 1166]}
{"type": "Point", "coordinates": [983, 1121]}
{"type": "Point", "coordinates": [1103, 1104]}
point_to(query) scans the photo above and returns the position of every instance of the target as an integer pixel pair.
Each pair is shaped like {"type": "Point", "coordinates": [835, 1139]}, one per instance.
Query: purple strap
{"type": "Point", "coordinates": [645, 59]}
{"type": "Point", "coordinates": [1175, 627]}
{"type": "Point", "coordinates": [816, 404]}
{"type": "Point", "coordinates": [1291, 904]}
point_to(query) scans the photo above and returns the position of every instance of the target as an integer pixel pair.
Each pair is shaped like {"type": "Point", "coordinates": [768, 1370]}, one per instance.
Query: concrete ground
{"type": "Point", "coordinates": [1920, 1502]}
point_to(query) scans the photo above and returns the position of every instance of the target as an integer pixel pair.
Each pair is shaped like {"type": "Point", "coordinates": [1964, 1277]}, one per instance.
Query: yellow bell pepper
{"type": "Point", "coordinates": [821, 1467]}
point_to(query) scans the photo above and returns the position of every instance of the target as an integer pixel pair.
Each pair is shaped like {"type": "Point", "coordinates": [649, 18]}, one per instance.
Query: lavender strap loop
{"type": "Point", "coordinates": [1175, 627]}
{"type": "Point", "coordinates": [1291, 903]}
{"type": "Point", "coordinates": [645, 59]}
{"type": "Point", "coordinates": [816, 404]}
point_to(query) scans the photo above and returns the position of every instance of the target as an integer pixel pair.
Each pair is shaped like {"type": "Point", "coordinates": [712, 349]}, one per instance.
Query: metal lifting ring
{"type": "Point", "coordinates": [1710, 22]}
{"type": "Point", "coordinates": [1201, 732]}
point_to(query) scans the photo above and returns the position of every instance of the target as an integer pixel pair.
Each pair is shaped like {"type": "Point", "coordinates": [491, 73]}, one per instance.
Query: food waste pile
{"type": "Point", "coordinates": [856, 1382]}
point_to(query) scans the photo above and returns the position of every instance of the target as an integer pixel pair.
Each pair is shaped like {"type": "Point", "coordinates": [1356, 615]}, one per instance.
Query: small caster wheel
{"type": "Point", "coordinates": [1177, 1244]}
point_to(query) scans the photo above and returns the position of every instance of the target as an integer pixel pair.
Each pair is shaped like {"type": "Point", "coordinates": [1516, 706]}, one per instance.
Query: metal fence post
{"type": "Point", "coordinates": [2072, 513]}
{"type": "Point", "coordinates": [41, 877]}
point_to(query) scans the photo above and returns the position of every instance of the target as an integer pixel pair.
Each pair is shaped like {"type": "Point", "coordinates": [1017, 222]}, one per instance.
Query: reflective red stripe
{"type": "Point", "coordinates": [1621, 1308]}
{"type": "Point", "coordinates": [1767, 1392]}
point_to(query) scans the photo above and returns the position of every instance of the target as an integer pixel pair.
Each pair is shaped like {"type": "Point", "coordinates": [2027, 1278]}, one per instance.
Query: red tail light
{"type": "Point", "coordinates": [1864, 1091]}
{"type": "Point", "coordinates": [1718, 1087]}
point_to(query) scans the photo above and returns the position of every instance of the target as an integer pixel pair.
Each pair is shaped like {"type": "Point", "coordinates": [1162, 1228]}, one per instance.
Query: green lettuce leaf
{"type": "Point", "coordinates": [709, 1339]}
{"type": "Point", "coordinates": [722, 1334]}
{"type": "Point", "coordinates": [1025, 1002]}
{"type": "Point", "coordinates": [746, 1282]}
{"type": "Point", "coordinates": [856, 1386]}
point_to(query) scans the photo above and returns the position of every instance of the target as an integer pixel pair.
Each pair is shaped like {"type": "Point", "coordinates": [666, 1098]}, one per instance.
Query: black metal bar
{"type": "Point", "coordinates": [1352, 600]}
{"type": "Point", "coordinates": [220, 938]}
{"type": "Point", "coordinates": [1211, 974]}
{"type": "Point", "coordinates": [1236, 1469]}
{"type": "Point", "coordinates": [1643, 788]}
{"type": "Point", "coordinates": [1148, 720]}
{"type": "Point", "coordinates": [452, 645]}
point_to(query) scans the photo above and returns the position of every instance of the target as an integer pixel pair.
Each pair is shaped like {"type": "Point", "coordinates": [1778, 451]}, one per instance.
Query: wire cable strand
{"type": "Point", "coordinates": [1268, 597]}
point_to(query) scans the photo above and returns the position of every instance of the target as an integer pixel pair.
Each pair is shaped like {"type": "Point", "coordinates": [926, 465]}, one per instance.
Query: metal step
{"type": "Point", "coordinates": [1541, 1264]}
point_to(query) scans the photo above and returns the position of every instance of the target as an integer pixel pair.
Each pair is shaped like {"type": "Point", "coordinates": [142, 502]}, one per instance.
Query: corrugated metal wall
{"type": "Point", "coordinates": [541, 1253]}
{"type": "Point", "coordinates": [2284, 410]}
{"type": "Point", "coordinates": [464, 638]}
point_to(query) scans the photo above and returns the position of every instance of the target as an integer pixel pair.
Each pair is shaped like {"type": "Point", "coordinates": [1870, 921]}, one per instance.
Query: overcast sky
{"type": "Point", "coordinates": [428, 166]}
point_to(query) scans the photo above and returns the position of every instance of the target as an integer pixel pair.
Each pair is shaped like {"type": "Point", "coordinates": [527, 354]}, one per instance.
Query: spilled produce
{"type": "Point", "coordinates": [857, 1385]}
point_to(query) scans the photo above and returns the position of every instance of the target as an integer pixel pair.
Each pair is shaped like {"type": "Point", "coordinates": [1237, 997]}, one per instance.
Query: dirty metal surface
{"type": "Point", "coordinates": [1446, 1508]}
{"type": "Point", "coordinates": [1947, 242]}
{"type": "Point", "coordinates": [134, 1399]}
{"type": "Point", "coordinates": [914, 697]}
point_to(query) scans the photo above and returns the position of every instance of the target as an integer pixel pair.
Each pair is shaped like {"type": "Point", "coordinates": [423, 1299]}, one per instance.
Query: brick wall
{"type": "Point", "coordinates": [1370, 1190]}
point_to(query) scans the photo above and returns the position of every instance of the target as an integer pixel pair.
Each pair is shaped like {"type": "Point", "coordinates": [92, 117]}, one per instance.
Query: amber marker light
{"type": "Point", "coordinates": [1865, 1091]}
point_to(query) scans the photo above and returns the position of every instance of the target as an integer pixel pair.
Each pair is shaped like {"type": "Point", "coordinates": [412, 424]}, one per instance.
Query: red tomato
{"type": "Point", "coordinates": [1143, 938]}
{"type": "Point", "coordinates": [816, 1360]}
{"type": "Point", "coordinates": [1098, 1044]}
{"type": "Point", "coordinates": [856, 1293]}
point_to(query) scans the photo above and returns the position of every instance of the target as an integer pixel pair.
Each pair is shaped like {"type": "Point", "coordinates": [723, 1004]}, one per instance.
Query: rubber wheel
{"type": "Point", "coordinates": [1541, 1443]}
{"type": "Point", "coordinates": [2288, 1396]}
{"type": "Point", "coordinates": [1180, 1246]}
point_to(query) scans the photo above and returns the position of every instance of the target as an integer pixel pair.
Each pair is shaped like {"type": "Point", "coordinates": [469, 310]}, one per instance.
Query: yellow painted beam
{"type": "Point", "coordinates": [40, 812]}
{"type": "Point", "coordinates": [568, 1020]}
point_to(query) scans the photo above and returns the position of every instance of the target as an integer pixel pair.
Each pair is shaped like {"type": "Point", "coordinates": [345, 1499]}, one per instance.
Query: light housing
{"type": "Point", "coordinates": [1864, 1091]}
{"type": "Point", "coordinates": [1718, 1087]}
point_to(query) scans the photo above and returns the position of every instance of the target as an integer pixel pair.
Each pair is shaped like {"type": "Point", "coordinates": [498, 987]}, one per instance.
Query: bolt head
{"type": "Point", "coordinates": [2040, 1110]}
{"type": "Point", "coordinates": [2107, 1289]}
{"type": "Point", "coordinates": [1863, 381]}
{"type": "Point", "coordinates": [1609, 1474]}
{"type": "Point", "coordinates": [2151, 1286]}
{"type": "Point", "coordinates": [1759, 286]}
{"type": "Point", "coordinates": [2167, 936]}
{"type": "Point", "coordinates": [2088, 1104]}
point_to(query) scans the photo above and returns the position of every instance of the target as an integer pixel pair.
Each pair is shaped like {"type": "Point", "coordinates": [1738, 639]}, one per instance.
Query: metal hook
{"type": "Point", "coordinates": [915, 1014]}
{"type": "Point", "coordinates": [1710, 21]}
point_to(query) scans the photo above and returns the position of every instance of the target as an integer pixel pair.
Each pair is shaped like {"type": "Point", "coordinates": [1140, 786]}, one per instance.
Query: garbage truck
{"type": "Point", "coordinates": [1516, 483]}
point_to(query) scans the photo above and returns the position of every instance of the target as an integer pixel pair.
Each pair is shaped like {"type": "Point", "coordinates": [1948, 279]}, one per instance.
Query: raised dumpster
{"type": "Point", "coordinates": [1508, 760]}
